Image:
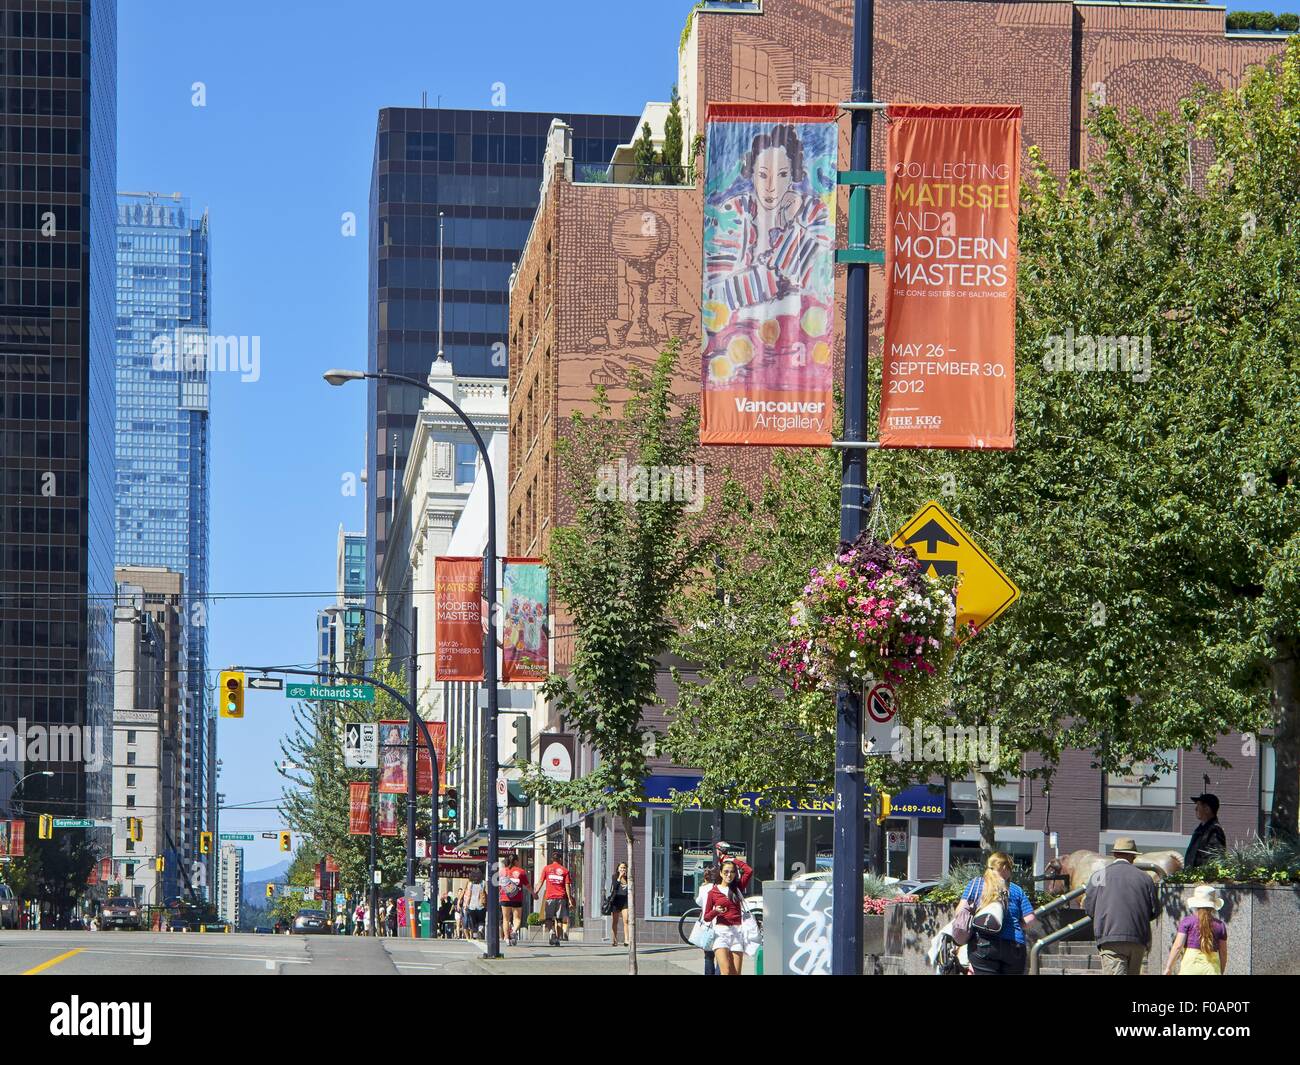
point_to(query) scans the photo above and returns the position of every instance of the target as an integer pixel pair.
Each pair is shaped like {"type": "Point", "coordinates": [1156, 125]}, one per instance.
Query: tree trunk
{"type": "Point", "coordinates": [984, 804]}
{"type": "Point", "coordinates": [631, 895]}
{"type": "Point", "coordinates": [1285, 667]}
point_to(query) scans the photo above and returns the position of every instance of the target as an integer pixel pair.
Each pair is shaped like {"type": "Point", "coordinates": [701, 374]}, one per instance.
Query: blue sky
{"type": "Point", "coordinates": [281, 149]}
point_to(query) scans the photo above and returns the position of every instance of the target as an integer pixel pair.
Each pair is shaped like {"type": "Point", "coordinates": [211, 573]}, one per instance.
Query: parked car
{"type": "Point", "coordinates": [262, 930]}
{"type": "Point", "coordinates": [311, 922]}
{"type": "Point", "coordinates": [120, 912]}
{"type": "Point", "coordinates": [10, 907]}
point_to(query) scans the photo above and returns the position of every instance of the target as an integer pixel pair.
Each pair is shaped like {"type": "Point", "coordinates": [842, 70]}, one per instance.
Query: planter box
{"type": "Point", "coordinates": [873, 932]}
{"type": "Point", "coordinates": [1263, 928]}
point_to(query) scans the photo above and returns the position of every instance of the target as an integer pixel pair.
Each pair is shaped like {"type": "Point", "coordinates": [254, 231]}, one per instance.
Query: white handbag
{"type": "Point", "coordinates": [988, 920]}
{"type": "Point", "coordinates": [703, 935]}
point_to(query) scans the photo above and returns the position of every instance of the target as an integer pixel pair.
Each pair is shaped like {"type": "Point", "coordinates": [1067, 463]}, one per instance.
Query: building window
{"type": "Point", "coordinates": [130, 780]}
{"type": "Point", "coordinates": [130, 871]}
{"type": "Point", "coordinates": [1144, 798]}
{"type": "Point", "coordinates": [682, 845]}
{"type": "Point", "coordinates": [130, 800]}
{"type": "Point", "coordinates": [965, 807]}
{"type": "Point", "coordinates": [466, 463]}
{"type": "Point", "coordinates": [130, 736]}
{"type": "Point", "coordinates": [130, 757]}
{"type": "Point", "coordinates": [130, 844]}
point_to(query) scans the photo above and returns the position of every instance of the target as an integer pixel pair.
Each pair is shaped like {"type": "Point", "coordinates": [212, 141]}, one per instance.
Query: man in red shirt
{"type": "Point", "coordinates": [558, 887]}
{"type": "Point", "coordinates": [514, 888]}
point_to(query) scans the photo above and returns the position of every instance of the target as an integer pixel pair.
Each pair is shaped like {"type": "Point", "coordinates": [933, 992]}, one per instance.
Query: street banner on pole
{"type": "Point", "coordinates": [5, 830]}
{"type": "Point", "coordinates": [557, 755]}
{"type": "Point", "coordinates": [359, 808]}
{"type": "Point", "coordinates": [952, 206]}
{"type": "Point", "coordinates": [458, 621]}
{"type": "Point", "coordinates": [525, 642]}
{"type": "Point", "coordinates": [393, 737]}
{"type": "Point", "coordinates": [388, 815]}
{"type": "Point", "coordinates": [769, 274]}
{"type": "Point", "coordinates": [18, 839]}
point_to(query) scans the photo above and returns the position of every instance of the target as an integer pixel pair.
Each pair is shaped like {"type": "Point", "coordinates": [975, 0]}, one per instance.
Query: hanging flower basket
{"type": "Point", "coordinates": [871, 614]}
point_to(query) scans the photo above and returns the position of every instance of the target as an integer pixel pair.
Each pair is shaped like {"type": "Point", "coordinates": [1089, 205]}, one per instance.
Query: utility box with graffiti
{"type": "Point", "coordinates": [797, 927]}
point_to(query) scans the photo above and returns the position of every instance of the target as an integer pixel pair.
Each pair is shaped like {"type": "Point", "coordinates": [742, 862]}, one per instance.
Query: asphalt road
{"type": "Point", "coordinates": [215, 954]}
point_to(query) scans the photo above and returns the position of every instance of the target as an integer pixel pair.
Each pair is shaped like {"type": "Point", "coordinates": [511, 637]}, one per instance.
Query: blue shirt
{"type": "Point", "coordinates": [1017, 908]}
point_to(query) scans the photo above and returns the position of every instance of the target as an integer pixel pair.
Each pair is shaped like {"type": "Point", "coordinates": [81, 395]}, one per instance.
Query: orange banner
{"type": "Point", "coordinates": [952, 205]}
{"type": "Point", "coordinates": [768, 311]}
{"type": "Point", "coordinates": [359, 809]}
{"type": "Point", "coordinates": [458, 621]}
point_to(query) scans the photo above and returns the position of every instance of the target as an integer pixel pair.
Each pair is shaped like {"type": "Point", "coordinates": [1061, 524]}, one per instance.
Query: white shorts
{"type": "Point", "coordinates": [729, 937]}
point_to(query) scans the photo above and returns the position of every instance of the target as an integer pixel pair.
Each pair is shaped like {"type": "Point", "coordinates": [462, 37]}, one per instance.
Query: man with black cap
{"type": "Point", "coordinates": [1208, 838]}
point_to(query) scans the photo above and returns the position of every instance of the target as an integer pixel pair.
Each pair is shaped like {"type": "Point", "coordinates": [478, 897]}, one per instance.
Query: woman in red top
{"type": "Point", "coordinates": [725, 907]}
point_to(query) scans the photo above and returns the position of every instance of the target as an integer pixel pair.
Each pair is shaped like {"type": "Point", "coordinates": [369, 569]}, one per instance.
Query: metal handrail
{"type": "Point", "coordinates": [1035, 952]}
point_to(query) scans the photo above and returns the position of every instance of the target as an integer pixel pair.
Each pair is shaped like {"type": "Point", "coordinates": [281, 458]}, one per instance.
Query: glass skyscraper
{"type": "Point", "coordinates": [162, 445]}
{"type": "Point", "coordinates": [481, 171]}
{"type": "Point", "coordinates": [58, 170]}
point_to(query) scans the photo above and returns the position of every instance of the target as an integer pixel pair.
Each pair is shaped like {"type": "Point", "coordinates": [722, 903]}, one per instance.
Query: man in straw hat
{"type": "Point", "coordinates": [1121, 901]}
{"type": "Point", "coordinates": [1202, 938]}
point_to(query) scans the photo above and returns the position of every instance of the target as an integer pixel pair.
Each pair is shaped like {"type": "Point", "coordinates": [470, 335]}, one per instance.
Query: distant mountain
{"type": "Point", "coordinates": [271, 872]}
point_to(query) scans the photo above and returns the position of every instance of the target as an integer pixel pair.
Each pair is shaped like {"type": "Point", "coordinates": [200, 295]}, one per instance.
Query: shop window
{"type": "Point", "coordinates": [682, 846]}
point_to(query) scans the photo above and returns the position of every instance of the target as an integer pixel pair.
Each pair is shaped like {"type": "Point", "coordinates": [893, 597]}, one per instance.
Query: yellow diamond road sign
{"type": "Point", "coordinates": [946, 549]}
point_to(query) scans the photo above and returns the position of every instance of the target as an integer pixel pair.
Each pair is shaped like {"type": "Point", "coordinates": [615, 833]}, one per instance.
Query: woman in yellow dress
{"type": "Point", "coordinates": [1202, 939]}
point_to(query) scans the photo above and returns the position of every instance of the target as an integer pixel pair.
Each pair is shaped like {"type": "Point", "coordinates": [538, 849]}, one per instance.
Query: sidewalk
{"type": "Point", "coordinates": [594, 959]}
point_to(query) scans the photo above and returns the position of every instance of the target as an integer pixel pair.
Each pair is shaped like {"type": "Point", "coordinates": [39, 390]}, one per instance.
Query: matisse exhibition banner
{"type": "Point", "coordinates": [952, 206]}
{"type": "Point", "coordinates": [769, 274]}
{"type": "Point", "coordinates": [458, 619]}
{"type": "Point", "coordinates": [359, 808]}
{"type": "Point", "coordinates": [525, 639]}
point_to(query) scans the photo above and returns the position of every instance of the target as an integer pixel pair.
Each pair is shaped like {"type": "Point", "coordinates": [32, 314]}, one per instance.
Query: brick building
{"type": "Point", "coordinates": [612, 270]}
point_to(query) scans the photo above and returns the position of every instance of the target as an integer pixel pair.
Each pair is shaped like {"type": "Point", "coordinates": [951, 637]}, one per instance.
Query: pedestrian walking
{"type": "Point", "coordinates": [475, 905]}
{"type": "Point", "coordinates": [1001, 910]}
{"type": "Point", "coordinates": [724, 907]}
{"type": "Point", "coordinates": [744, 873]}
{"type": "Point", "coordinates": [1208, 839]}
{"type": "Point", "coordinates": [1202, 939]}
{"type": "Point", "coordinates": [445, 923]}
{"type": "Point", "coordinates": [359, 920]}
{"type": "Point", "coordinates": [514, 891]}
{"type": "Point", "coordinates": [558, 886]}
{"type": "Point", "coordinates": [1122, 903]}
{"type": "Point", "coordinates": [707, 881]}
{"type": "Point", "coordinates": [616, 903]}
{"type": "Point", "coordinates": [392, 919]}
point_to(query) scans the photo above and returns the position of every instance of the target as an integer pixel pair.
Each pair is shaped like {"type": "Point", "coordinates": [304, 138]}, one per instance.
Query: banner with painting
{"type": "Point", "coordinates": [525, 636]}
{"type": "Point", "coordinates": [769, 274]}
{"type": "Point", "coordinates": [952, 206]}
{"type": "Point", "coordinates": [387, 815]}
{"type": "Point", "coordinates": [393, 738]}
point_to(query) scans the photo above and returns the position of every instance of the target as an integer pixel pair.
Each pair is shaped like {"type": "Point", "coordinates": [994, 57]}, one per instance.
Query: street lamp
{"type": "Point", "coordinates": [340, 377]}
{"type": "Point", "coordinates": [13, 805]}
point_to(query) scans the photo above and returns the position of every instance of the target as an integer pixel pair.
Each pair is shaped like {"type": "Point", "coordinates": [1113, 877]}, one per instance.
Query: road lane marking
{"type": "Point", "coordinates": [53, 961]}
{"type": "Point", "coordinates": [190, 954]}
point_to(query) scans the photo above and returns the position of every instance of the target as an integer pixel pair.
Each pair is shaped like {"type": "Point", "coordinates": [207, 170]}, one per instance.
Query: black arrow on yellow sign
{"type": "Point", "coordinates": [932, 534]}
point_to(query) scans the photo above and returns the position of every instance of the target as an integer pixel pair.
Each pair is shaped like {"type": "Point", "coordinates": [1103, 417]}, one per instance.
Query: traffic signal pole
{"type": "Point", "coordinates": [846, 905]}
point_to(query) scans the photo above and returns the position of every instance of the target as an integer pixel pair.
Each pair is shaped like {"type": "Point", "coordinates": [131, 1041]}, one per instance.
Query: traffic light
{"type": "Point", "coordinates": [231, 693]}
{"type": "Point", "coordinates": [270, 891]}
{"type": "Point", "coordinates": [135, 828]}
{"type": "Point", "coordinates": [159, 864]}
{"type": "Point", "coordinates": [205, 842]}
{"type": "Point", "coordinates": [523, 738]}
{"type": "Point", "coordinates": [45, 829]}
{"type": "Point", "coordinates": [286, 841]}
{"type": "Point", "coordinates": [449, 809]}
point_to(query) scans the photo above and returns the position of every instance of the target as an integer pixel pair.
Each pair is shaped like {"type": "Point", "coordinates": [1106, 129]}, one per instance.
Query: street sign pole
{"type": "Point", "coordinates": [846, 912]}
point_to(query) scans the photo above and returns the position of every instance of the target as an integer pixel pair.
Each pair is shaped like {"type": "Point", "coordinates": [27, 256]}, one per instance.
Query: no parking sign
{"type": "Point", "coordinates": [881, 705]}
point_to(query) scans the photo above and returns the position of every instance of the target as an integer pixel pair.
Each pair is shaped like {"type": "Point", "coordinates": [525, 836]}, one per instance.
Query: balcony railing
{"type": "Point", "coordinates": [633, 174]}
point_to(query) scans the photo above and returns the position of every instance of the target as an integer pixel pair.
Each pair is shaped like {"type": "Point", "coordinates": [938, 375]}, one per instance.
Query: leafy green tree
{"type": "Point", "coordinates": [616, 568]}
{"type": "Point", "coordinates": [646, 159]}
{"type": "Point", "coordinates": [674, 142]}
